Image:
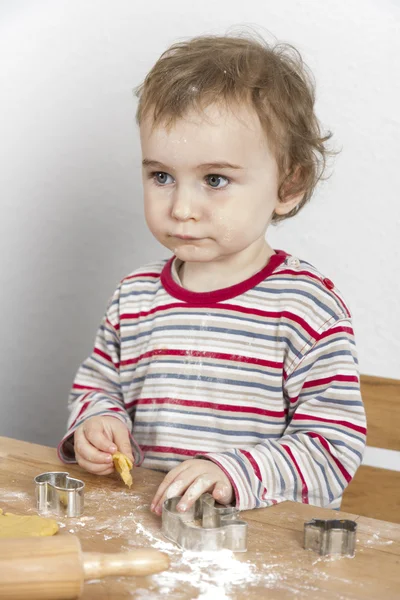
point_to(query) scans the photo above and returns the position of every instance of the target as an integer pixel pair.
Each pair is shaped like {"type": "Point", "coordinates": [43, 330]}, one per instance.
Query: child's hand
{"type": "Point", "coordinates": [194, 477]}
{"type": "Point", "coordinates": [97, 439]}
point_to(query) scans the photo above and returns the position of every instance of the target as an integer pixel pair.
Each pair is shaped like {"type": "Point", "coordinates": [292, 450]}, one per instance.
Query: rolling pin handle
{"type": "Point", "coordinates": [138, 562]}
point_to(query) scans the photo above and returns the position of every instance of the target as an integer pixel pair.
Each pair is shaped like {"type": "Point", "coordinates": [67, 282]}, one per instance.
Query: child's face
{"type": "Point", "coordinates": [210, 184]}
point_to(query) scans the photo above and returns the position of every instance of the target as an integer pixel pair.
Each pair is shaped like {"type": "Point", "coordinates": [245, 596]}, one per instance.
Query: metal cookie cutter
{"type": "Point", "coordinates": [220, 527]}
{"type": "Point", "coordinates": [59, 493]}
{"type": "Point", "coordinates": [330, 536]}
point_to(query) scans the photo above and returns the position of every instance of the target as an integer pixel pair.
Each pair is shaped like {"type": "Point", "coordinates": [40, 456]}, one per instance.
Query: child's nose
{"type": "Point", "coordinates": [184, 206]}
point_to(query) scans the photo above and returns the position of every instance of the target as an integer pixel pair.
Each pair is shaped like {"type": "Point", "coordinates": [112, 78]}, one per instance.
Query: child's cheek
{"type": "Point", "coordinates": [229, 229]}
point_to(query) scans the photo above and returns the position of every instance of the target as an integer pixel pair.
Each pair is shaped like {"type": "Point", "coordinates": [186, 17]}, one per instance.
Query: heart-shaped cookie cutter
{"type": "Point", "coordinates": [58, 493]}
{"type": "Point", "coordinates": [330, 536]}
{"type": "Point", "coordinates": [220, 527]}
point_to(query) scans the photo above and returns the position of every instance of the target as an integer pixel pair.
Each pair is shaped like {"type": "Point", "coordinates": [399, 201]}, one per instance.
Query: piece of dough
{"type": "Point", "coordinates": [123, 465]}
{"type": "Point", "coordinates": [17, 526]}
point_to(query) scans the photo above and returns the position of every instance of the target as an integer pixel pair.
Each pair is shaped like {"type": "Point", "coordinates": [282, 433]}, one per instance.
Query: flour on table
{"type": "Point", "coordinates": [377, 540]}
{"type": "Point", "coordinates": [121, 514]}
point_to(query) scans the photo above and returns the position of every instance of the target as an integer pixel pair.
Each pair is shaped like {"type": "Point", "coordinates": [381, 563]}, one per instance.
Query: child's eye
{"type": "Point", "coordinates": [215, 181]}
{"type": "Point", "coordinates": [161, 178]}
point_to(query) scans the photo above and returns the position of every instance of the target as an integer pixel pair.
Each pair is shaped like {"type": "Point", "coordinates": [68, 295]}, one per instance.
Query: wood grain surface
{"type": "Point", "coordinates": [375, 492]}
{"type": "Point", "coordinates": [381, 398]}
{"type": "Point", "coordinates": [275, 565]}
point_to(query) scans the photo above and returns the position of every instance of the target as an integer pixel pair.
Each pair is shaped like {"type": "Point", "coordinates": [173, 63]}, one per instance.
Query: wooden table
{"type": "Point", "coordinates": [275, 565]}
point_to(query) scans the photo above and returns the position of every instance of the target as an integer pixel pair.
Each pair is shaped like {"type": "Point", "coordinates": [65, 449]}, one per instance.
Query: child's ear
{"type": "Point", "coordinates": [291, 193]}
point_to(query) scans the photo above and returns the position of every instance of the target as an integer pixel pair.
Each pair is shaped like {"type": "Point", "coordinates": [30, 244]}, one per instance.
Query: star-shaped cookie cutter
{"type": "Point", "coordinates": [204, 526]}
{"type": "Point", "coordinates": [330, 536]}
{"type": "Point", "coordinates": [58, 493]}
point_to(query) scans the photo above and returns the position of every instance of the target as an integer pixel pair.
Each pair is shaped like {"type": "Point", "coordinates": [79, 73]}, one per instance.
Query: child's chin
{"type": "Point", "coordinates": [194, 253]}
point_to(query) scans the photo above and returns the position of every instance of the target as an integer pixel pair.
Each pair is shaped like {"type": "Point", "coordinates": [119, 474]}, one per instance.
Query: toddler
{"type": "Point", "coordinates": [231, 366]}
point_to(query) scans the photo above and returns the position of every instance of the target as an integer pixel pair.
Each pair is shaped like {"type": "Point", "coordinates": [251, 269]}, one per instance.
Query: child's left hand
{"type": "Point", "coordinates": [194, 477]}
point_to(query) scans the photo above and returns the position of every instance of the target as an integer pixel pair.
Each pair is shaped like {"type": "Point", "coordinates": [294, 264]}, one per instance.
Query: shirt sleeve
{"type": "Point", "coordinates": [97, 388]}
{"type": "Point", "coordinates": [324, 440]}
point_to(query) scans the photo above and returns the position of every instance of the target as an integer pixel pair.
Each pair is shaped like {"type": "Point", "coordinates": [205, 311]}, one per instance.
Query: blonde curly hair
{"type": "Point", "coordinates": [273, 79]}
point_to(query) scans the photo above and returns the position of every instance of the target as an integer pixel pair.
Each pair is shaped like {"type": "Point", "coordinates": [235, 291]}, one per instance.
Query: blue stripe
{"type": "Point", "coordinates": [158, 409]}
{"type": "Point", "coordinates": [276, 446]}
{"type": "Point", "coordinates": [294, 292]}
{"type": "Point", "coordinates": [220, 330]}
{"type": "Point", "coordinates": [221, 381]}
{"type": "Point", "coordinates": [156, 283]}
{"type": "Point", "coordinates": [322, 357]}
{"type": "Point", "coordinates": [223, 314]}
{"type": "Point", "coordinates": [167, 425]}
{"type": "Point", "coordinates": [86, 367]}
{"type": "Point", "coordinates": [339, 388]}
{"type": "Point", "coordinates": [108, 330]}
{"type": "Point", "coordinates": [156, 459]}
{"type": "Point", "coordinates": [241, 462]}
{"type": "Point", "coordinates": [330, 427]}
{"type": "Point", "coordinates": [310, 281]}
{"type": "Point", "coordinates": [344, 445]}
{"type": "Point", "coordinates": [329, 461]}
{"type": "Point", "coordinates": [95, 396]}
{"type": "Point", "coordinates": [324, 400]}
{"type": "Point", "coordinates": [93, 414]}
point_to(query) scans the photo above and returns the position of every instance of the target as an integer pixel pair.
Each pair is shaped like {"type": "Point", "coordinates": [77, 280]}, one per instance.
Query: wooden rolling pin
{"type": "Point", "coordinates": [55, 568]}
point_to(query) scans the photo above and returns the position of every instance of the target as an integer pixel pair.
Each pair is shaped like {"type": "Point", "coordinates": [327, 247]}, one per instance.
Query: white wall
{"type": "Point", "coordinates": [71, 216]}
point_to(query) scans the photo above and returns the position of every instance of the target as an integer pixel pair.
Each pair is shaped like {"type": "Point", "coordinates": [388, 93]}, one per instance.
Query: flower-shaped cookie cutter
{"type": "Point", "coordinates": [58, 493]}
{"type": "Point", "coordinates": [204, 526]}
{"type": "Point", "coordinates": [330, 536]}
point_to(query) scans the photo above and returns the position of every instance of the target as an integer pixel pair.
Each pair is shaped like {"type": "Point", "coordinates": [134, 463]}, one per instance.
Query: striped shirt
{"type": "Point", "coordinates": [260, 377]}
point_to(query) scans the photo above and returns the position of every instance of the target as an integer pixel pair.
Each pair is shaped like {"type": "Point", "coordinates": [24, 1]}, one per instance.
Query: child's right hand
{"type": "Point", "coordinates": [97, 439]}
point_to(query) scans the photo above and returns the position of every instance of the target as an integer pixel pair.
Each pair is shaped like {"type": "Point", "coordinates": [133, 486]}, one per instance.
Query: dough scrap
{"type": "Point", "coordinates": [17, 526]}
{"type": "Point", "coordinates": [123, 465]}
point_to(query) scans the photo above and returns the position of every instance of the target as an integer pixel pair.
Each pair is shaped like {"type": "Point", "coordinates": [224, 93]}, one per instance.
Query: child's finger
{"type": "Point", "coordinates": [122, 439]}
{"type": "Point", "coordinates": [95, 468]}
{"type": "Point", "coordinates": [175, 489]}
{"type": "Point", "coordinates": [95, 434]}
{"type": "Point", "coordinates": [223, 493]}
{"type": "Point", "coordinates": [166, 482]}
{"type": "Point", "coordinates": [200, 486]}
{"type": "Point", "coordinates": [85, 450]}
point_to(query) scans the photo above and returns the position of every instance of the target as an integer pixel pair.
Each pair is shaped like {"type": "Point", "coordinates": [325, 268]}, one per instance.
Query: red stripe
{"type": "Point", "coordinates": [166, 449]}
{"type": "Point", "coordinates": [234, 308]}
{"type": "Point", "coordinates": [138, 275]}
{"type": "Point", "coordinates": [116, 327]}
{"type": "Point", "coordinates": [304, 491]}
{"type": "Point", "coordinates": [312, 276]}
{"type": "Point", "coordinates": [105, 356]}
{"type": "Point", "coordinates": [264, 497]}
{"type": "Point", "coordinates": [302, 417]}
{"type": "Point", "coordinates": [341, 302]}
{"type": "Point", "coordinates": [203, 354]}
{"type": "Point", "coordinates": [323, 381]}
{"type": "Point", "coordinates": [229, 476]}
{"type": "Point", "coordinates": [335, 330]}
{"type": "Point", "coordinates": [292, 272]}
{"type": "Point", "coordinates": [208, 405]}
{"type": "Point", "coordinates": [253, 463]}
{"type": "Point", "coordinates": [325, 444]}
{"type": "Point", "coordinates": [319, 382]}
{"type": "Point", "coordinates": [328, 333]}
{"type": "Point", "coordinates": [84, 407]}
{"type": "Point", "coordinates": [76, 386]}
